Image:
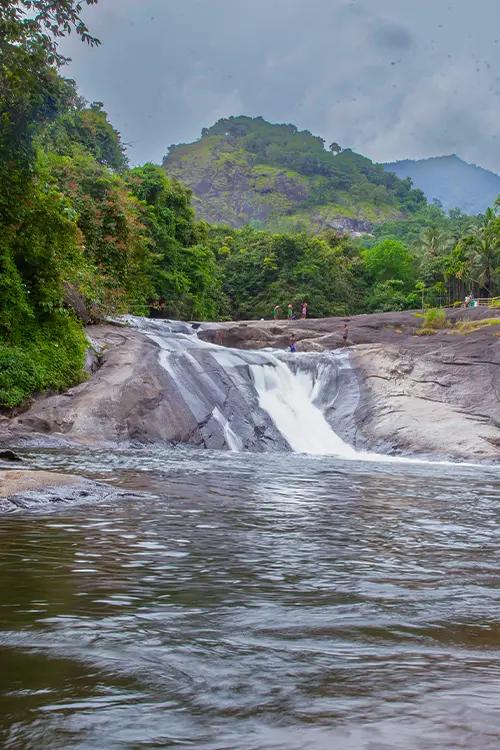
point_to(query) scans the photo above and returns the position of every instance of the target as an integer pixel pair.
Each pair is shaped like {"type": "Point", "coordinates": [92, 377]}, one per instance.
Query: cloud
{"type": "Point", "coordinates": [393, 37]}
{"type": "Point", "coordinates": [389, 79]}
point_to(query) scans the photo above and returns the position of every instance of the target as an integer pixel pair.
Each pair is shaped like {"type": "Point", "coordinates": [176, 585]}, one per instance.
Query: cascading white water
{"type": "Point", "coordinates": [288, 399]}
{"type": "Point", "coordinates": [233, 441]}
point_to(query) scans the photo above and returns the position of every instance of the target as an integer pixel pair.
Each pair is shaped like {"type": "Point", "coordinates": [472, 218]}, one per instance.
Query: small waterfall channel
{"type": "Point", "coordinates": [256, 400]}
{"type": "Point", "coordinates": [293, 400]}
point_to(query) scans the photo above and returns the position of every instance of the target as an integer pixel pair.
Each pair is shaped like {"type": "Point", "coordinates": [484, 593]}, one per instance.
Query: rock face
{"type": "Point", "coordinates": [32, 490]}
{"type": "Point", "coordinates": [399, 392]}
{"type": "Point", "coordinates": [121, 402]}
{"type": "Point", "coordinates": [434, 395]}
{"type": "Point", "coordinates": [143, 393]}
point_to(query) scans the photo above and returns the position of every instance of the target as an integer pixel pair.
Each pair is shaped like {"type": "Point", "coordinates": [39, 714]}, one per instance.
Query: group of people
{"type": "Point", "coordinates": [289, 311]}
{"type": "Point", "coordinates": [292, 343]}
{"type": "Point", "coordinates": [470, 301]}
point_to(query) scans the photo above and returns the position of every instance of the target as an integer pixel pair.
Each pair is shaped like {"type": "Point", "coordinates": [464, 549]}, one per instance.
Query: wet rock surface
{"type": "Point", "coordinates": [32, 490]}
{"type": "Point", "coordinates": [143, 394]}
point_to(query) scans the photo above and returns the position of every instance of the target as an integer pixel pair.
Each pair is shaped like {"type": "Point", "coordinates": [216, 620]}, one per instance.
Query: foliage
{"type": "Point", "coordinates": [435, 318]}
{"type": "Point", "coordinates": [37, 25]}
{"type": "Point", "coordinates": [261, 269]}
{"type": "Point", "coordinates": [468, 326]}
{"type": "Point", "coordinates": [87, 128]}
{"type": "Point", "coordinates": [41, 345]}
{"type": "Point", "coordinates": [389, 295]}
{"type": "Point", "coordinates": [389, 259]}
{"type": "Point", "coordinates": [49, 355]}
{"type": "Point", "coordinates": [185, 276]}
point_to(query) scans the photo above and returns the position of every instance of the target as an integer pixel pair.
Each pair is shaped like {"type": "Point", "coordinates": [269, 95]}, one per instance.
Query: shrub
{"type": "Point", "coordinates": [435, 318]}
{"type": "Point", "coordinates": [50, 357]}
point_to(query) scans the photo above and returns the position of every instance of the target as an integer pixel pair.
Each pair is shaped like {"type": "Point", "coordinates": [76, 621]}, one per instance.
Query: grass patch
{"type": "Point", "coordinates": [468, 326]}
{"type": "Point", "coordinates": [435, 319]}
{"type": "Point", "coordinates": [425, 331]}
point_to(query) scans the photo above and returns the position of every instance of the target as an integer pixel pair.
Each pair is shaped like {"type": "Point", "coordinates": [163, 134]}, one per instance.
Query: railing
{"type": "Point", "coordinates": [488, 301]}
{"type": "Point", "coordinates": [477, 302]}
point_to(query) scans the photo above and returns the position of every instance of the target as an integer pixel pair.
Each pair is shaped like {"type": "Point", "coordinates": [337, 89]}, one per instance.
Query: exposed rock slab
{"type": "Point", "coordinates": [135, 399]}
{"type": "Point", "coordinates": [33, 490]}
{"type": "Point", "coordinates": [121, 401]}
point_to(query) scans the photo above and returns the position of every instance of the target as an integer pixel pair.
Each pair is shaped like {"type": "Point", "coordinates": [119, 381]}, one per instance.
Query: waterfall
{"type": "Point", "coordinates": [238, 400]}
{"type": "Point", "coordinates": [288, 398]}
{"type": "Point", "coordinates": [253, 400]}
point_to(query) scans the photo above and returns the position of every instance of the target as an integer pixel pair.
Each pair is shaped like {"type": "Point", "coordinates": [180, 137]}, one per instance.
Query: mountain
{"type": "Point", "coordinates": [451, 181]}
{"type": "Point", "coordinates": [245, 170]}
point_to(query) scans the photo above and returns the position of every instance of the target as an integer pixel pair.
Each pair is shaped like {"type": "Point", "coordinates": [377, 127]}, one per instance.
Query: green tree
{"type": "Point", "coordinates": [388, 260]}
{"type": "Point", "coordinates": [38, 235]}
{"type": "Point", "coordinates": [186, 278]}
{"type": "Point", "coordinates": [38, 25]}
{"type": "Point", "coordinates": [483, 249]}
{"type": "Point", "coordinates": [434, 241]}
{"type": "Point", "coordinates": [88, 128]}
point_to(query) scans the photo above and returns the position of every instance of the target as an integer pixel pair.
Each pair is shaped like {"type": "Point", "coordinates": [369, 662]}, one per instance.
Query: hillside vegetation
{"type": "Point", "coordinates": [245, 170]}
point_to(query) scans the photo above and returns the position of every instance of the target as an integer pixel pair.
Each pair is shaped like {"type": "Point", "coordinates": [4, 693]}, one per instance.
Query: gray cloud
{"type": "Point", "coordinates": [393, 37]}
{"type": "Point", "coordinates": [391, 79]}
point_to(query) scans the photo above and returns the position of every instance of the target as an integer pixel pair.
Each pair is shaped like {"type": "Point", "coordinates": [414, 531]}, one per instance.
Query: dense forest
{"type": "Point", "coordinates": [84, 236]}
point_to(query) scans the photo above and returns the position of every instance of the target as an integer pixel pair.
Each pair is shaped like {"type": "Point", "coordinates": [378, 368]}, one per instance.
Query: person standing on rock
{"type": "Point", "coordinates": [291, 344]}
{"type": "Point", "coordinates": [276, 312]}
{"type": "Point", "coordinates": [290, 311]}
{"type": "Point", "coordinates": [345, 334]}
{"type": "Point", "coordinates": [304, 310]}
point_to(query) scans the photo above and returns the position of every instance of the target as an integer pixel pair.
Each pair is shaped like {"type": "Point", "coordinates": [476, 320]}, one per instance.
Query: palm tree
{"type": "Point", "coordinates": [433, 241]}
{"type": "Point", "coordinates": [484, 254]}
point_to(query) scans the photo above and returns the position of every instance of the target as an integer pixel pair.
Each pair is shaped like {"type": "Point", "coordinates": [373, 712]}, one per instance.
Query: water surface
{"type": "Point", "coordinates": [252, 602]}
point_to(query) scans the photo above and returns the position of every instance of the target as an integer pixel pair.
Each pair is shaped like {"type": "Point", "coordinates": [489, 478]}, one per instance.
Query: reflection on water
{"type": "Point", "coordinates": [257, 602]}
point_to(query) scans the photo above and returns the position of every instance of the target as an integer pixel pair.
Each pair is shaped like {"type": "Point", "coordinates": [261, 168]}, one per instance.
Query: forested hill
{"type": "Point", "coordinates": [451, 181]}
{"type": "Point", "coordinates": [245, 170]}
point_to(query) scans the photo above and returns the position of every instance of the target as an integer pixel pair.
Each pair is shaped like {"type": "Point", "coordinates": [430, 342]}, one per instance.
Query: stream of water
{"type": "Point", "coordinates": [253, 602]}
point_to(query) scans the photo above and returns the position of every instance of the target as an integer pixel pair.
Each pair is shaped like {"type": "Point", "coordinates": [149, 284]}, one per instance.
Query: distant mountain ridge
{"type": "Point", "coordinates": [452, 181]}
{"type": "Point", "coordinates": [245, 170]}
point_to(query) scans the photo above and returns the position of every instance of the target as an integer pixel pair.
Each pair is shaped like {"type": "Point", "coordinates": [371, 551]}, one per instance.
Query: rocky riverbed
{"type": "Point", "coordinates": [434, 395]}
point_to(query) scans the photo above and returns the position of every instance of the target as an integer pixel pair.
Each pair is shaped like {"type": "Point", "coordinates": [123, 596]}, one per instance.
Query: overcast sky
{"type": "Point", "coordinates": [391, 79]}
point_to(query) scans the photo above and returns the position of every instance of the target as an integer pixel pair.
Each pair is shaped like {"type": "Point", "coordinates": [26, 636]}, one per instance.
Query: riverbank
{"type": "Point", "coordinates": [403, 393]}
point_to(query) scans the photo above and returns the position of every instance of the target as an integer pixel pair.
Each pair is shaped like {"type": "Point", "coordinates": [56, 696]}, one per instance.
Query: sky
{"type": "Point", "coordinates": [391, 79]}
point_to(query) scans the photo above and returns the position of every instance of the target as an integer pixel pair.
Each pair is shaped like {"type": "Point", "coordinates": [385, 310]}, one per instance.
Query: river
{"type": "Point", "coordinates": [253, 601]}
